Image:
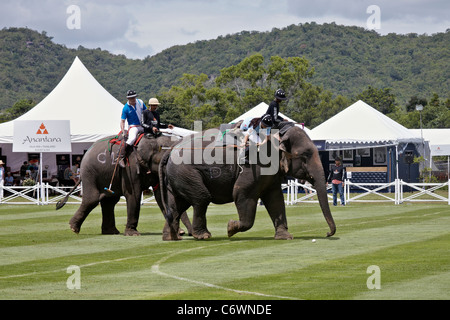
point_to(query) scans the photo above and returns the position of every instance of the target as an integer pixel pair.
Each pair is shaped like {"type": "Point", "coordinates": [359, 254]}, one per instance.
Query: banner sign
{"type": "Point", "coordinates": [320, 145]}
{"type": "Point", "coordinates": [42, 136]}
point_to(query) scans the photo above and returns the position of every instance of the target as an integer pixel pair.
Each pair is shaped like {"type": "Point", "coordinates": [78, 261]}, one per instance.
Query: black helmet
{"type": "Point", "coordinates": [267, 120]}
{"type": "Point", "coordinates": [131, 94]}
{"type": "Point", "coordinates": [280, 94]}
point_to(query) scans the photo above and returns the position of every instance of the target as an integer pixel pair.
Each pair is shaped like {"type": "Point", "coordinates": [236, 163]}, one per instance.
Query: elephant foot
{"type": "Point", "coordinates": [75, 230]}
{"type": "Point", "coordinates": [167, 236]}
{"type": "Point", "coordinates": [283, 235]}
{"type": "Point", "coordinates": [202, 235]}
{"type": "Point", "coordinates": [75, 227]}
{"type": "Point", "coordinates": [233, 228]}
{"type": "Point", "coordinates": [131, 232]}
{"type": "Point", "coordinates": [112, 230]}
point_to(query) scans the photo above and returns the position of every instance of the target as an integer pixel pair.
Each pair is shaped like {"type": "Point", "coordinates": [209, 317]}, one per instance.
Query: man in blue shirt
{"type": "Point", "coordinates": [132, 113]}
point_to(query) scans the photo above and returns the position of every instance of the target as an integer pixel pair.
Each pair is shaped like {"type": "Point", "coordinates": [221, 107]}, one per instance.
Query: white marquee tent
{"type": "Point", "coordinates": [93, 113]}
{"type": "Point", "coordinates": [361, 126]}
{"type": "Point", "coordinates": [439, 140]}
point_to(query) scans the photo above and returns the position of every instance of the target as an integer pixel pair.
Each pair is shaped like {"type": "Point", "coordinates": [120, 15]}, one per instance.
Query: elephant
{"type": "Point", "coordinates": [197, 184]}
{"type": "Point", "coordinates": [97, 169]}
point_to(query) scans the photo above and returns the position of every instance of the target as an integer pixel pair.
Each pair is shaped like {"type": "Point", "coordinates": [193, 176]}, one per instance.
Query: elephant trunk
{"type": "Point", "coordinates": [320, 186]}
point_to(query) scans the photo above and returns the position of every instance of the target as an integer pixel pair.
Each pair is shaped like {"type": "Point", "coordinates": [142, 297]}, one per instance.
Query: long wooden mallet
{"type": "Point", "coordinates": [108, 190]}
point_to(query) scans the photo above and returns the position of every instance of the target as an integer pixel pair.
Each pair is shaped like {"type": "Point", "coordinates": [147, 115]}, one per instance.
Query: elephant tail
{"type": "Point", "coordinates": [163, 187]}
{"type": "Point", "coordinates": [62, 202]}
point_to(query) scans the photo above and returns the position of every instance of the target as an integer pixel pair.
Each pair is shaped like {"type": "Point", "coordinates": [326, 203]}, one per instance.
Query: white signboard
{"type": "Point", "coordinates": [42, 136]}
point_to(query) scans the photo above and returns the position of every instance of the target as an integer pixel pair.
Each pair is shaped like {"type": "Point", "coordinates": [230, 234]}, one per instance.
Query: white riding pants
{"type": "Point", "coordinates": [133, 133]}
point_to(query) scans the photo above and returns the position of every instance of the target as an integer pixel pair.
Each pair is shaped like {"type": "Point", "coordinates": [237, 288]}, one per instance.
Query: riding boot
{"type": "Point", "coordinates": [124, 153]}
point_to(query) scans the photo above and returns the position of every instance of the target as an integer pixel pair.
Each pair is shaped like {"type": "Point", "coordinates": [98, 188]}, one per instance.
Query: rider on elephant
{"type": "Point", "coordinates": [132, 113]}
{"type": "Point", "coordinates": [252, 134]}
{"type": "Point", "coordinates": [151, 119]}
{"type": "Point", "coordinates": [274, 107]}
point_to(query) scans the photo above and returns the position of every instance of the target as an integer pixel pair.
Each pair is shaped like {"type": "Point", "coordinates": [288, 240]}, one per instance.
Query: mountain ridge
{"type": "Point", "coordinates": [346, 61]}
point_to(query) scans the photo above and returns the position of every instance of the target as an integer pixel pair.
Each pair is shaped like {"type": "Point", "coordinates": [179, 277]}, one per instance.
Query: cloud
{"type": "Point", "coordinates": [400, 16]}
{"type": "Point", "coordinates": [139, 28]}
{"type": "Point", "coordinates": [177, 22]}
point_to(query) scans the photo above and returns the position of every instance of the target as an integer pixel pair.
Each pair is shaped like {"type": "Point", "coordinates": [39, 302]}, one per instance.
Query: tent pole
{"type": "Point", "coordinates": [40, 176]}
{"type": "Point", "coordinates": [448, 168]}
{"type": "Point", "coordinates": [396, 160]}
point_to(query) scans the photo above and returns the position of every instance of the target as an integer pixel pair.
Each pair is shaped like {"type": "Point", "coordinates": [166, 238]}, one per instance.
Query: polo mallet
{"type": "Point", "coordinates": [108, 190]}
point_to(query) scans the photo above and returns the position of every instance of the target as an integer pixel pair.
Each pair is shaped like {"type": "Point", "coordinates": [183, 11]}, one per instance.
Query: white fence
{"type": "Point", "coordinates": [374, 192]}
{"type": "Point", "coordinates": [46, 194]}
{"type": "Point", "coordinates": [353, 192]}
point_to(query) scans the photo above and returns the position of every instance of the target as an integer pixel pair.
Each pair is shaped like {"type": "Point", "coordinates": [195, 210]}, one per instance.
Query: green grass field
{"type": "Point", "coordinates": [409, 243]}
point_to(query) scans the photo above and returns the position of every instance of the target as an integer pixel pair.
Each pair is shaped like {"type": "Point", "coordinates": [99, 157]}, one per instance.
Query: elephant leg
{"type": "Point", "coordinates": [109, 221]}
{"type": "Point", "coordinates": [174, 207]}
{"type": "Point", "coordinates": [274, 202]}
{"type": "Point", "coordinates": [185, 219]}
{"type": "Point", "coordinates": [246, 210]}
{"type": "Point", "coordinates": [89, 202]}
{"type": "Point", "coordinates": [133, 211]}
{"type": "Point", "coordinates": [199, 229]}
{"type": "Point", "coordinates": [187, 222]}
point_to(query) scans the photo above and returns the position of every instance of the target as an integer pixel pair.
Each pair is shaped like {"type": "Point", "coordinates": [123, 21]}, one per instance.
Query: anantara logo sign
{"type": "Point", "coordinates": [42, 136]}
{"type": "Point", "coordinates": [42, 129]}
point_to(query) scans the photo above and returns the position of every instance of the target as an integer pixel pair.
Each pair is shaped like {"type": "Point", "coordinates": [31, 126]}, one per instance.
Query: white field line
{"type": "Point", "coordinates": [164, 259]}
{"type": "Point", "coordinates": [155, 269]}
{"type": "Point", "coordinates": [81, 266]}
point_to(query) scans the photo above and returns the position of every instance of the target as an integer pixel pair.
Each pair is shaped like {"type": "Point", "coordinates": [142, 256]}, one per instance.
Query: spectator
{"type": "Point", "coordinates": [336, 177]}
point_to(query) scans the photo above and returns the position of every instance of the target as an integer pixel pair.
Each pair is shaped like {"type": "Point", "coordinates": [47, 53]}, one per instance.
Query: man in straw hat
{"type": "Point", "coordinates": [151, 119]}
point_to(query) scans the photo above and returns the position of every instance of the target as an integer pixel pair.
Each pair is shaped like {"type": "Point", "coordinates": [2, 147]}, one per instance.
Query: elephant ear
{"type": "Point", "coordinates": [285, 160]}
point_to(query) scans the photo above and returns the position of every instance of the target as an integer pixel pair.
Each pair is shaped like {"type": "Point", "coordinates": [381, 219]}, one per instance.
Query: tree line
{"type": "Point", "coordinates": [240, 87]}
{"type": "Point", "coordinates": [323, 68]}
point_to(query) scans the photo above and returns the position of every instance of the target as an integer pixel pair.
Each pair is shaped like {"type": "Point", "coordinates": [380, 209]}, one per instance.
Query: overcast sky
{"type": "Point", "coordinates": [139, 28]}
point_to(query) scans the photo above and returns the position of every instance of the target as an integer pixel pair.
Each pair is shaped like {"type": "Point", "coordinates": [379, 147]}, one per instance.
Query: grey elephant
{"type": "Point", "coordinates": [197, 184]}
{"type": "Point", "coordinates": [97, 168]}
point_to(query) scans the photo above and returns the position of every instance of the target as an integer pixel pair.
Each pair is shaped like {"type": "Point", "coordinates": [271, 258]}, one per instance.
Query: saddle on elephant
{"type": "Point", "coordinates": [120, 137]}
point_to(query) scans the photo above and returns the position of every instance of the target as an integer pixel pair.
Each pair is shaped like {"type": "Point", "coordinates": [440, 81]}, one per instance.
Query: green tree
{"type": "Point", "coordinates": [20, 107]}
{"type": "Point", "coordinates": [248, 80]}
{"type": "Point", "coordinates": [197, 99]}
{"type": "Point", "coordinates": [246, 84]}
{"type": "Point", "coordinates": [435, 114]}
{"type": "Point", "coordinates": [381, 99]}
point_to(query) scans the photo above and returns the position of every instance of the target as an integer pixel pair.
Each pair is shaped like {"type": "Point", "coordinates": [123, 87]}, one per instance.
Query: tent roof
{"type": "Point", "coordinates": [361, 125]}
{"type": "Point", "coordinates": [258, 111]}
{"type": "Point", "coordinates": [439, 140]}
{"type": "Point", "coordinates": [93, 112]}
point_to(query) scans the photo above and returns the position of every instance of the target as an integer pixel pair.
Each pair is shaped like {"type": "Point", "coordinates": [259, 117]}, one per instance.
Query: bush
{"type": "Point", "coordinates": [29, 182]}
